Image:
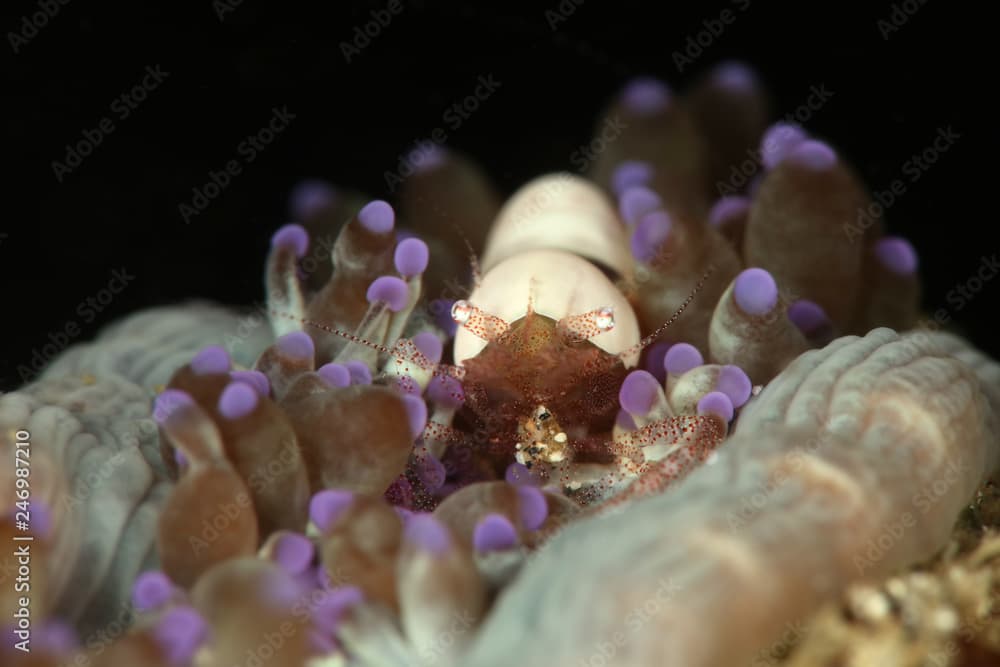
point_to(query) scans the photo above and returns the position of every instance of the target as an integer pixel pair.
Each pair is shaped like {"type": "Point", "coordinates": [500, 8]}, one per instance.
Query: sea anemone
{"type": "Point", "coordinates": [557, 453]}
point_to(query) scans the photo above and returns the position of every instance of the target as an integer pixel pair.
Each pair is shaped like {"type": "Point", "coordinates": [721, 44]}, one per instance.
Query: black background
{"type": "Point", "coordinates": [119, 208]}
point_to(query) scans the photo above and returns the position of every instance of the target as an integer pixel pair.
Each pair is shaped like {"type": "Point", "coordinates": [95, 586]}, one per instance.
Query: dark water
{"type": "Point", "coordinates": [165, 101]}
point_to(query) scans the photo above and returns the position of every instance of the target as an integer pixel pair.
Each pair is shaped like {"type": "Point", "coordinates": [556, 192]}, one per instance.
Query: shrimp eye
{"type": "Point", "coordinates": [461, 311]}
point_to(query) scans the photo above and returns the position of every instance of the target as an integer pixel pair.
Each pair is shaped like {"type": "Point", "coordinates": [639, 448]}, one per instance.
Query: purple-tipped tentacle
{"type": "Point", "coordinates": [755, 291]}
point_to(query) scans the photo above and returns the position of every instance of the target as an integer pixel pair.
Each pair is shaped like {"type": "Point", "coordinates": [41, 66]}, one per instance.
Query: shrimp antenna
{"type": "Point", "coordinates": [440, 369]}
{"type": "Point", "coordinates": [477, 274]}
{"type": "Point", "coordinates": [648, 340]}
{"type": "Point", "coordinates": [332, 330]}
